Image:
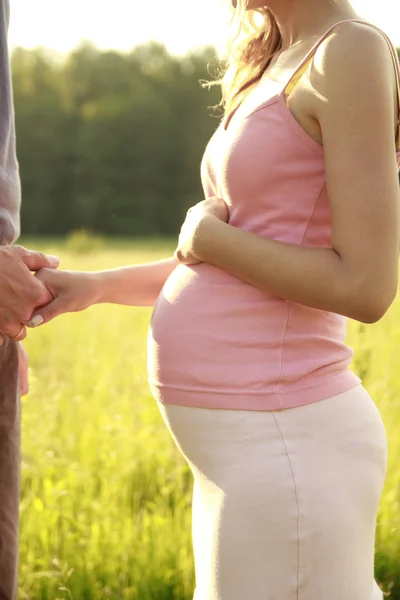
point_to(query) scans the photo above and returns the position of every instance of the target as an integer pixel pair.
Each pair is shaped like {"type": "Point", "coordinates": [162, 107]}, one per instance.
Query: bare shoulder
{"type": "Point", "coordinates": [355, 59]}
{"type": "Point", "coordinates": [354, 45]}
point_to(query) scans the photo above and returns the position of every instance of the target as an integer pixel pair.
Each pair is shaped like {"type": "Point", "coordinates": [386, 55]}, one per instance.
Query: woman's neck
{"type": "Point", "coordinates": [300, 21]}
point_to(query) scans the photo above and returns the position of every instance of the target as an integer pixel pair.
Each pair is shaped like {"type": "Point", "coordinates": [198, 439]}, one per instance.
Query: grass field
{"type": "Point", "coordinates": [106, 496]}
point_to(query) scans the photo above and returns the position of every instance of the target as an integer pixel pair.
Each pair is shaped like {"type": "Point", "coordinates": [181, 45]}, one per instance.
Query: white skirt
{"type": "Point", "coordinates": [284, 502]}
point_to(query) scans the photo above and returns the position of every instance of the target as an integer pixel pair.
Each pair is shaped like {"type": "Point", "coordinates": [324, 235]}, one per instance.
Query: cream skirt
{"type": "Point", "coordinates": [284, 502]}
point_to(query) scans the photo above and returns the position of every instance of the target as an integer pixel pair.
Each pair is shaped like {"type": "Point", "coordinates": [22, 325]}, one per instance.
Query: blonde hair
{"type": "Point", "coordinates": [253, 41]}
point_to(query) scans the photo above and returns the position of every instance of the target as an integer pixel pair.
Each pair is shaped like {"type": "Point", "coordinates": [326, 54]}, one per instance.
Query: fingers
{"type": "Point", "coordinates": [37, 260]}
{"type": "Point", "coordinates": [46, 313]}
{"type": "Point", "coordinates": [15, 331]}
{"type": "Point", "coordinates": [41, 275]}
{"type": "Point", "coordinates": [21, 335]}
{"type": "Point", "coordinates": [44, 276]}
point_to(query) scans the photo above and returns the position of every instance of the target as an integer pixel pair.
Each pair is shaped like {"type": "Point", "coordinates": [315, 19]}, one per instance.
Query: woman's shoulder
{"type": "Point", "coordinates": [354, 52]}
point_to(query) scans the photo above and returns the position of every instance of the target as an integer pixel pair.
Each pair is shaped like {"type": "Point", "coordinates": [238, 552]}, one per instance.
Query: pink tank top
{"type": "Point", "coordinates": [216, 341]}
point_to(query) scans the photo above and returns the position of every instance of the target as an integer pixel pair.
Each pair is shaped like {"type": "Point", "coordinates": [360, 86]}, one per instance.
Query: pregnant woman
{"type": "Point", "coordinates": [246, 349]}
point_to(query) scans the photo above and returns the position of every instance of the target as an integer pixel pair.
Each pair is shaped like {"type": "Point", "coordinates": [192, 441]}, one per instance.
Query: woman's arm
{"type": "Point", "coordinates": [73, 291]}
{"type": "Point", "coordinates": [315, 277]}
{"type": "Point", "coordinates": [357, 111]}
{"type": "Point", "coordinates": [137, 285]}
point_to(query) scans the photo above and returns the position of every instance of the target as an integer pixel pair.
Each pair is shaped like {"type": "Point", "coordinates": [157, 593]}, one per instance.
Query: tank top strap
{"type": "Point", "coordinates": [301, 68]}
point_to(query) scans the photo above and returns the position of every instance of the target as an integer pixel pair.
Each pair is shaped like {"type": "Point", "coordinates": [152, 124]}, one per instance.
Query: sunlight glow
{"type": "Point", "coordinates": [122, 24]}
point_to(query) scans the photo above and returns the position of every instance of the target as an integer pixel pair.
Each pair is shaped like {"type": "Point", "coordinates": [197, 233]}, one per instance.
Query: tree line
{"type": "Point", "coordinates": [112, 142]}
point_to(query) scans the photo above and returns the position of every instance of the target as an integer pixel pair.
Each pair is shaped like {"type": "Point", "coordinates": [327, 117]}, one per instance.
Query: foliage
{"type": "Point", "coordinates": [106, 495]}
{"type": "Point", "coordinates": [81, 241]}
{"type": "Point", "coordinates": [111, 142]}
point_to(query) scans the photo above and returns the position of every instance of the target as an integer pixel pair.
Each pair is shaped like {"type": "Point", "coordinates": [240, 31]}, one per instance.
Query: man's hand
{"type": "Point", "coordinates": [23, 370]}
{"type": "Point", "coordinates": [20, 291]}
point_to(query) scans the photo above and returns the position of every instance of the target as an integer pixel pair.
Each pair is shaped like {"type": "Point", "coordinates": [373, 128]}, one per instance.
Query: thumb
{"type": "Point", "coordinates": [45, 313]}
{"type": "Point", "coordinates": [37, 260]}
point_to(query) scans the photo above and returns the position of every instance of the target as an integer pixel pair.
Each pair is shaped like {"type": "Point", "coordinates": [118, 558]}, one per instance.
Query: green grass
{"type": "Point", "coordinates": [106, 496]}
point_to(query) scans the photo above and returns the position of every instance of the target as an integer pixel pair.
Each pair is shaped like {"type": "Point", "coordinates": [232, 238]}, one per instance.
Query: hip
{"type": "Point", "coordinates": [347, 425]}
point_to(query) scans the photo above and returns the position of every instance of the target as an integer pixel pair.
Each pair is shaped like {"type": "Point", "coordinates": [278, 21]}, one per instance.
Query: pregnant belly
{"type": "Point", "coordinates": [212, 331]}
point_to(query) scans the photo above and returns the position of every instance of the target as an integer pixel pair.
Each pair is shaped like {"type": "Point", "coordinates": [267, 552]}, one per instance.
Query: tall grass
{"type": "Point", "coordinates": [106, 496]}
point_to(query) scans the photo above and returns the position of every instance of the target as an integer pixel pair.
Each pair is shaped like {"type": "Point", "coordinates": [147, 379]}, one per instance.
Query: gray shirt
{"type": "Point", "coordinates": [10, 187]}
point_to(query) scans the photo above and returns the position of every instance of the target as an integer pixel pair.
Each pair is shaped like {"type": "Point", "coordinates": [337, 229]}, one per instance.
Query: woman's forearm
{"type": "Point", "coordinates": [137, 285]}
{"type": "Point", "coordinates": [314, 277]}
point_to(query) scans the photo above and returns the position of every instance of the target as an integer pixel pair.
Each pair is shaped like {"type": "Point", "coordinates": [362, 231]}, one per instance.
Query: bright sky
{"type": "Point", "coordinates": [121, 24]}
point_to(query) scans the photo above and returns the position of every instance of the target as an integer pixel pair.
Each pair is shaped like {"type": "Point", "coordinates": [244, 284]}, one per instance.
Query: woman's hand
{"type": "Point", "coordinates": [215, 207]}
{"type": "Point", "coordinates": [73, 291]}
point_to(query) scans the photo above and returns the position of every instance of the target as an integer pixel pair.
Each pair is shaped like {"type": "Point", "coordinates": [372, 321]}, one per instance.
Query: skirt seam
{"type": "Point", "coordinates": [297, 502]}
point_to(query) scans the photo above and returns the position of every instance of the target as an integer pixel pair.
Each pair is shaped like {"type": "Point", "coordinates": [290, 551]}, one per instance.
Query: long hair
{"type": "Point", "coordinates": [254, 39]}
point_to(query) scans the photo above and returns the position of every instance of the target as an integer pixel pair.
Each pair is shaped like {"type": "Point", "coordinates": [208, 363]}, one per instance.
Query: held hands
{"type": "Point", "coordinates": [190, 233]}
{"type": "Point", "coordinates": [20, 292]}
{"type": "Point", "coordinates": [71, 291]}
{"type": "Point", "coordinates": [66, 291]}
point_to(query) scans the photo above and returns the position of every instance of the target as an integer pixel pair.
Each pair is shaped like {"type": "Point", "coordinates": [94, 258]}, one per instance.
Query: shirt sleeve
{"type": "Point", "coordinates": [10, 186]}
